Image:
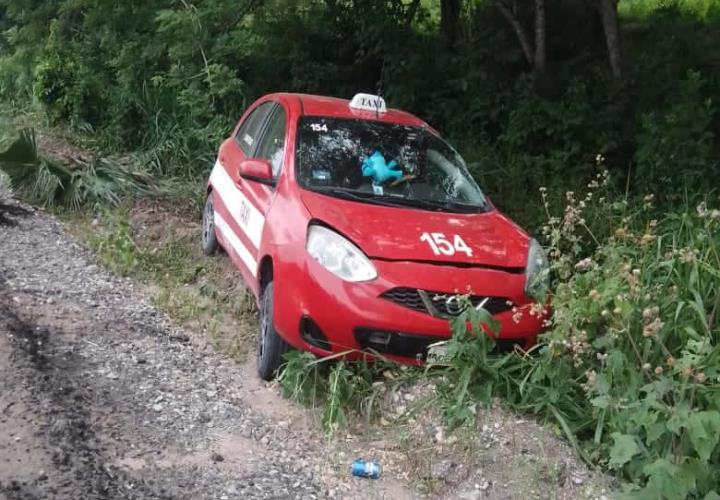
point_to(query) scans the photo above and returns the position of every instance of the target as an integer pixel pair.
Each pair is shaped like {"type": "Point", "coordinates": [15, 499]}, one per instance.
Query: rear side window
{"type": "Point", "coordinates": [272, 145]}
{"type": "Point", "coordinates": [249, 131]}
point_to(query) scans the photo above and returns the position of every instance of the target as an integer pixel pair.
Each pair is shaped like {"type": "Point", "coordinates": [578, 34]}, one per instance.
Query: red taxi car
{"type": "Point", "coordinates": [355, 226]}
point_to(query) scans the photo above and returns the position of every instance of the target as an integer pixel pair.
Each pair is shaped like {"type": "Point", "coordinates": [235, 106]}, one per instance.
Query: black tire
{"type": "Point", "coordinates": [271, 346]}
{"type": "Point", "coordinates": [209, 239]}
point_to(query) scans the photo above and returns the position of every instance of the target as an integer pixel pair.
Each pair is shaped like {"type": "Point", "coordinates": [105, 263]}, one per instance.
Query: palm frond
{"type": "Point", "coordinates": [30, 175]}
{"type": "Point", "coordinates": [45, 182]}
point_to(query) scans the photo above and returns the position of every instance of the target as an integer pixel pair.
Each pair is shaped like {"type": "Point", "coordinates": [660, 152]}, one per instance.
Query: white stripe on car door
{"type": "Point", "coordinates": [249, 218]}
{"type": "Point", "coordinates": [243, 212]}
{"type": "Point", "coordinates": [236, 244]}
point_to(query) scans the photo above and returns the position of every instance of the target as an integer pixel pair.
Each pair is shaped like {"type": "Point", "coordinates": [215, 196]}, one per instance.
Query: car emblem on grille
{"type": "Point", "coordinates": [453, 306]}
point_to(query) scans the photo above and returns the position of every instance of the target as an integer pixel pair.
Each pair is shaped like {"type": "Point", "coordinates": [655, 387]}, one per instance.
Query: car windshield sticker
{"type": "Point", "coordinates": [321, 175]}
{"type": "Point", "coordinates": [317, 127]}
{"type": "Point", "coordinates": [248, 140]}
{"type": "Point", "coordinates": [378, 190]}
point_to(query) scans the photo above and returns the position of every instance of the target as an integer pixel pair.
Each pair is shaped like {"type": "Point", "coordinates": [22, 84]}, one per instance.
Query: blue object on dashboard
{"type": "Point", "coordinates": [375, 167]}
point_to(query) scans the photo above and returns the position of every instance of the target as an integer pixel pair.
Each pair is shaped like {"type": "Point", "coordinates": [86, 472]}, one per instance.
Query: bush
{"type": "Point", "coordinates": [336, 387]}
{"type": "Point", "coordinates": [635, 339]}
{"type": "Point", "coordinates": [629, 368]}
{"type": "Point", "coordinates": [172, 78]}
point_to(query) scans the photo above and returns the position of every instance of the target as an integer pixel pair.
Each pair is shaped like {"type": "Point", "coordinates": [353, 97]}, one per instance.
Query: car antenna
{"type": "Point", "coordinates": [380, 89]}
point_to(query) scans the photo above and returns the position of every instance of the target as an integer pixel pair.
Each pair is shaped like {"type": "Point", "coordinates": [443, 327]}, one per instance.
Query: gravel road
{"type": "Point", "coordinates": [101, 397]}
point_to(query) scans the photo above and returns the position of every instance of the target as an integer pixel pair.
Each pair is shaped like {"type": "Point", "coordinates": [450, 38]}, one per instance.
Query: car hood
{"type": "Point", "coordinates": [395, 233]}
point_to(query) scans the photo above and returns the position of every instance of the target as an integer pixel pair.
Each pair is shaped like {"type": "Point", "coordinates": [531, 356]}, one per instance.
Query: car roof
{"type": "Point", "coordinates": [315, 105]}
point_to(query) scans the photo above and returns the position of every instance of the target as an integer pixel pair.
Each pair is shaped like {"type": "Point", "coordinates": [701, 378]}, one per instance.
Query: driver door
{"type": "Point", "coordinates": [239, 207]}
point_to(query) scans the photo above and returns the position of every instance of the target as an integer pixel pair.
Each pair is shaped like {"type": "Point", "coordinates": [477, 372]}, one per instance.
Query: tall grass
{"type": "Point", "coordinates": [629, 369]}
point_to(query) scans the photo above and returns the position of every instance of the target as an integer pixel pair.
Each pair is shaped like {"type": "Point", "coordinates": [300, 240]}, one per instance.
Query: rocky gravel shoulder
{"type": "Point", "coordinates": [102, 397]}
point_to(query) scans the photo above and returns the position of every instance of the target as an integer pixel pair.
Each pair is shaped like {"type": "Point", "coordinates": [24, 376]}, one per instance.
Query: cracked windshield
{"type": "Point", "coordinates": [384, 163]}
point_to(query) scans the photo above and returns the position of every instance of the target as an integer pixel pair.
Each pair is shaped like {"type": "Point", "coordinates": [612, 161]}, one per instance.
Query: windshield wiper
{"type": "Point", "coordinates": [352, 194]}
{"type": "Point", "coordinates": [437, 205]}
{"type": "Point", "coordinates": [398, 201]}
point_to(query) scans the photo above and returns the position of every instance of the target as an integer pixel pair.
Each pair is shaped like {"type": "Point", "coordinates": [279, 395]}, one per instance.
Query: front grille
{"type": "Point", "coordinates": [407, 297]}
{"type": "Point", "coordinates": [441, 304]}
{"type": "Point", "coordinates": [408, 345]}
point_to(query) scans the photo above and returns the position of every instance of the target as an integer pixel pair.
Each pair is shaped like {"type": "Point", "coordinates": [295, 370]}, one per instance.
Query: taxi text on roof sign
{"type": "Point", "coordinates": [368, 102]}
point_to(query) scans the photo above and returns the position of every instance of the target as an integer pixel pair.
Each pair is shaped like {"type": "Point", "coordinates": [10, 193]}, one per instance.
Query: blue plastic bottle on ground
{"type": "Point", "coordinates": [362, 468]}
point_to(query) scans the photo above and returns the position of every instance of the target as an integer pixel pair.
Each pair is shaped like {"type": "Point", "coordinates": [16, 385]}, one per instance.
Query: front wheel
{"type": "Point", "coordinates": [209, 239]}
{"type": "Point", "coordinates": [271, 346]}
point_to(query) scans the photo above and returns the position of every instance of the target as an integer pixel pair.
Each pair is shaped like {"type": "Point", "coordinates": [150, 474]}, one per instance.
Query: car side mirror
{"type": "Point", "coordinates": [257, 170]}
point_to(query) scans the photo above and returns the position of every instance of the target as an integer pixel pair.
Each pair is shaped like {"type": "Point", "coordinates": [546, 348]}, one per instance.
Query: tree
{"type": "Point", "coordinates": [608, 13]}
{"type": "Point", "coordinates": [449, 17]}
{"type": "Point", "coordinates": [411, 11]}
{"type": "Point", "coordinates": [535, 53]}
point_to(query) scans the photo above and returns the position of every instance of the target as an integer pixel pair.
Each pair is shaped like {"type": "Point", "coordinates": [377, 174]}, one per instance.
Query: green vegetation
{"type": "Point", "coordinates": [527, 107]}
{"type": "Point", "coordinates": [338, 387]}
{"type": "Point", "coordinates": [629, 366]}
{"type": "Point", "coordinates": [628, 370]}
{"type": "Point", "coordinates": [699, 9]}
{"type": "Point", "coordinates": [545, 98]}
{"type": "Point", "coordinates": [41, 180]}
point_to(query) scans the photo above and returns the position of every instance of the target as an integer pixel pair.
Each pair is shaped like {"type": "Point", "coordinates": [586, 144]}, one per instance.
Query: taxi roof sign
{"type": "Point", "coordinates": [368, 102]}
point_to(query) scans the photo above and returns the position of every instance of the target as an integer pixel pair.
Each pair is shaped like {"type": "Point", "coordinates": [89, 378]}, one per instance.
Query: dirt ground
{"type": "Point", "coordinates": [104, 396]}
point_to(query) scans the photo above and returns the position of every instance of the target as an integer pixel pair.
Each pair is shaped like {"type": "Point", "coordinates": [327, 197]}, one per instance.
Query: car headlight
{"type": "Point", "coordinates": [338, 255]}
{"type": "Point", "coordinates": [537, 272]}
